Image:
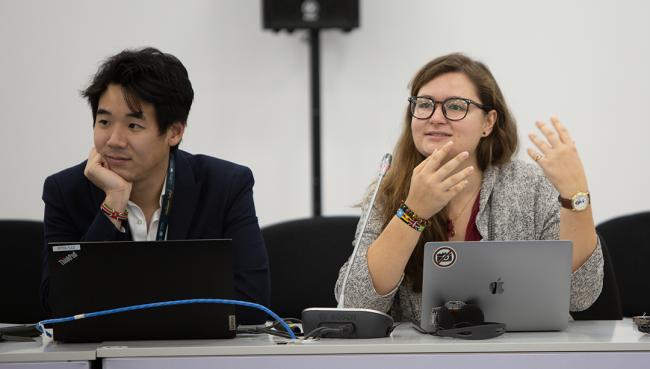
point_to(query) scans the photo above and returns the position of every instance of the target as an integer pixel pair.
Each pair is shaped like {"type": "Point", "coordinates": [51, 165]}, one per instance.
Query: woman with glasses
{"type": "Point", "coordinates": [454, 178]}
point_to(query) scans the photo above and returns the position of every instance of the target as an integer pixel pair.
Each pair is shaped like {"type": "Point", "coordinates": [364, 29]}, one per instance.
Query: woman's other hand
{"type": "Point", "coordinates": [558, 157]}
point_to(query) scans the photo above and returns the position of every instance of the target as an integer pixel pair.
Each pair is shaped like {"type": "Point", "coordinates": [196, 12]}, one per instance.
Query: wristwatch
{"type": "Point", "coordinates": [578, 202]}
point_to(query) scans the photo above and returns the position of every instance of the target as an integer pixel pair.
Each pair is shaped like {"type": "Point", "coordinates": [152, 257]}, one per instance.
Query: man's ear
{"type": "Point", "coordinates": [490, 120]}
{"type": "Point", "coordinates": [175, 133]}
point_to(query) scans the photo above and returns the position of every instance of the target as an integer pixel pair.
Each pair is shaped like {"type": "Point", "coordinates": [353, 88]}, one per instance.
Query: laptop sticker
{"type": "Point", "coordinates": [444, 257]}
{"type": "Point", "coordinates": [59, 248]}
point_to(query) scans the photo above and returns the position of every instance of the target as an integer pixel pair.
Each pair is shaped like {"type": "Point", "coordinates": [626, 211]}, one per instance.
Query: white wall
{"type": "Point", "coordinates": [587, 61]}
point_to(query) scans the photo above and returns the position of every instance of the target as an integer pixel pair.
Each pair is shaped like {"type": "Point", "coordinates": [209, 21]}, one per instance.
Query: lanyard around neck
{"type": "Point", "coordinates": [166, 199]}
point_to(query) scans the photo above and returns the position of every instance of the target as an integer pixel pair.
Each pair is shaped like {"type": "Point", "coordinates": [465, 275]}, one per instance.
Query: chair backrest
{"type": "Point", "coordinates": [608, 305]}
{"type": "Point", "coordinates": [628, 239]}
{"type": "Point", "coordinates": [305, 257]}
{"type": "Point", "coordinates": [20, 275]}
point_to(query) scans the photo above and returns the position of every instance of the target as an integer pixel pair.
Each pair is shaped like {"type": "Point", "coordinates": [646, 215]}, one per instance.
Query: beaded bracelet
{"type": "Point", "coordinates": [113, 214]}
{"type": "Point", "coordinates": [409, 217]}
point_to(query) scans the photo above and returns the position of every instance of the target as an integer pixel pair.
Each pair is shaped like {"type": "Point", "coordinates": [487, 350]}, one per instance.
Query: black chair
{"type": "Point", "coordinates": [608, 305]}
{"type": "Point", "coordinates": [20, 274]}
{"type": "Point", "coordinates": [305, 257]}
{"type": "Point", "coordinates": [628, 239]}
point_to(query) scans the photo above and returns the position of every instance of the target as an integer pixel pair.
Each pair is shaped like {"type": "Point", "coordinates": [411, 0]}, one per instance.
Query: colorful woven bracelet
{"type": "Point", "coordinates": [409, 217]}
{"type": "Point", "coordinates": [113, 214]}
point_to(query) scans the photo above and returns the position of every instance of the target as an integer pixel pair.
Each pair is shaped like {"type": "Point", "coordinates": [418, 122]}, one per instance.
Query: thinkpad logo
{"type": "Point", "coordinates": [68, 258]}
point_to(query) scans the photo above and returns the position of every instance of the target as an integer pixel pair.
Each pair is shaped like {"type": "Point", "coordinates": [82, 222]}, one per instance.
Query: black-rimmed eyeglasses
{"type": "Point", "coordinates": [453, 108]}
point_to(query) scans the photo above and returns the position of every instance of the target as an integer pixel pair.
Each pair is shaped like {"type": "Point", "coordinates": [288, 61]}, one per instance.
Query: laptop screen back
{"type": "Point", "coordinates": [93, 276]}
{"type": "Point", "coordinates": [524, 284]}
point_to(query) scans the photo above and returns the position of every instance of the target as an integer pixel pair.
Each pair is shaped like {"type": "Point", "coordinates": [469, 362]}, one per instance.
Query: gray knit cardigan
{"type": "Point", "coordinates": [517, 202]}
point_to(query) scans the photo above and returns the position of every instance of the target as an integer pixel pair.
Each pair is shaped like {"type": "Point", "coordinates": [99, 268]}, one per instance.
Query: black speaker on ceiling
{"type": "Point", "coordinates": [310, 14]}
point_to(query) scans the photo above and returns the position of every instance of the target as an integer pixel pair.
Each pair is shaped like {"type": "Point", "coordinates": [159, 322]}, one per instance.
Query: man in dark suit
{"type": "Point", "coordinates": [140, 101]}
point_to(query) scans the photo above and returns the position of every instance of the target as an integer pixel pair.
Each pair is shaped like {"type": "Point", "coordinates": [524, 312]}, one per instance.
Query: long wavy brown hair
{"type": "Point", "coordinates": [495, 149]}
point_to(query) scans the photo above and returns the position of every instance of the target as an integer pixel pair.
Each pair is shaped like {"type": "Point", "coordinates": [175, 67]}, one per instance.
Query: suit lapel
{"type": "Point", "coordinates": [184, 201]}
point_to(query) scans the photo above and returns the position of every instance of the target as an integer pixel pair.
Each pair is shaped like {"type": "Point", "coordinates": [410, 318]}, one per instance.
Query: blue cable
{"type": "Point", "coordinates": [41, 325]}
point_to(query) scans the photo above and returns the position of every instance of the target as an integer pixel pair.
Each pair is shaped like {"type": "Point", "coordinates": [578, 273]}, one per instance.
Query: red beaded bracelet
{"type": "Point", "coordinates": [113, 214]}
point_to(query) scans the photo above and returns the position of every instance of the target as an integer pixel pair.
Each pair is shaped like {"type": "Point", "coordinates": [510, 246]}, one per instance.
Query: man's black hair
{"type": "Point", "coordinates": [147, 75]}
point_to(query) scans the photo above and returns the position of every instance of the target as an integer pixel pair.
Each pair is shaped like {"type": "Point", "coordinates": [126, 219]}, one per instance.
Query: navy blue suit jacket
{"type": "Point", "coordinates": [213, 198]}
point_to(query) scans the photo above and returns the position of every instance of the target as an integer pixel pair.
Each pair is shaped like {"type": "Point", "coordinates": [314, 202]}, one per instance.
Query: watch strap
{"type": "Point", "coordinates": [566, 203]}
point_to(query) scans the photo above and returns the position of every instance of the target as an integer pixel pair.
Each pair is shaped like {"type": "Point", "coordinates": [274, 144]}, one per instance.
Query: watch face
{"type": "Point", "coordinates": [580, 202]}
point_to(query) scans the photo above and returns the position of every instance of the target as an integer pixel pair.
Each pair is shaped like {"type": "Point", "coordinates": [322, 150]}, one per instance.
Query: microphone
{"type": "Point", "coordinates": [343, 322]}
{"type": "Point", "coordinates": [383, 168]}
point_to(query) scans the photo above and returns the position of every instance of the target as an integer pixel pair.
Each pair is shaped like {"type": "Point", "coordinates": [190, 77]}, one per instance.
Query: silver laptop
{"type": "Point", "coordinates": [524, 284]}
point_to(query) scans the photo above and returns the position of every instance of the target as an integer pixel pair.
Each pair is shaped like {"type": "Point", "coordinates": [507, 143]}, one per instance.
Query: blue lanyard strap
{"type": "Point", "coordinates": [166, 199]}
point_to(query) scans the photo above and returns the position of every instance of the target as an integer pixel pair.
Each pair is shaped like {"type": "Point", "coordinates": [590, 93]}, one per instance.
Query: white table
{"type": "Point", "coordinates": [45, 353]}
{"type": "Point", "coordinates": [585, 344]}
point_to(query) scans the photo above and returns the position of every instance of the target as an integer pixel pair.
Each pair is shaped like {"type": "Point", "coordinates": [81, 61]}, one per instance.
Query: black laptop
{"type": "Point", "coordinates": [93, 276]}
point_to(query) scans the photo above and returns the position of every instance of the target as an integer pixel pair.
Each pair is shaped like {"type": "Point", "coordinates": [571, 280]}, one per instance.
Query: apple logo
{"type": "Point", "coordinates": [496, 287]}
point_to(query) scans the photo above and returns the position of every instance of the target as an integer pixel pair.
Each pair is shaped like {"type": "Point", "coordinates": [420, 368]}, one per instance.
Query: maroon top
{"type": "Point", "coordinates": [471, 233]}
